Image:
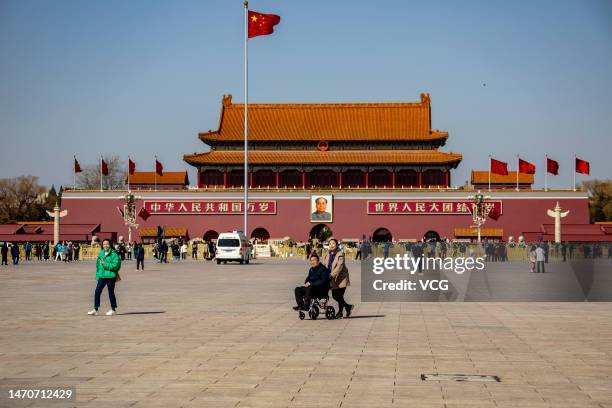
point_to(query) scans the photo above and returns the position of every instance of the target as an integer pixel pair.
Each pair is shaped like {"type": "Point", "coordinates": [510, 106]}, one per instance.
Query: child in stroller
{"type": "Point", "coordinates": [314, 295]}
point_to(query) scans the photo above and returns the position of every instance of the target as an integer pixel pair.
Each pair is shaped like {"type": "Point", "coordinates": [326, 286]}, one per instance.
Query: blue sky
{"type": "Point", "coordinates": [144, 77]}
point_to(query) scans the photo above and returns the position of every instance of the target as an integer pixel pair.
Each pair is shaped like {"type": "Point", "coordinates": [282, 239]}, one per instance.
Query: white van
{"type": "Point", "coordinates": [232, 246]}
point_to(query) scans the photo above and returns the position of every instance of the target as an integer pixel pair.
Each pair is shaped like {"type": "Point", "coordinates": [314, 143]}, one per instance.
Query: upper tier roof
{"type": "Point", "coordinates": [294, 157]}
{"type": "Point", "coordinates": [402, 121]}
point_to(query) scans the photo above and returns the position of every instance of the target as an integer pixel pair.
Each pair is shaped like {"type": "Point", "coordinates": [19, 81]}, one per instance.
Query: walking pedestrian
{"type": "Point", "coordinates": [359, 248]}
{"type": "Point", "coordinates": [46, 250]}
{"type": "Point", "coordinates": [15, 253]}
{"type": "Point", "coordinates": [108, 265]}
{"type": "Point", "coordinates": [339, 277]}
{"type": "Point", "coordinates": [194, 250]}
{"type": "Point", "coordinates": [27, 249]}
{"type": "Point", "coordinates": [540, 259]}
{"type": "Point", "coordinates": [139, 255]}
{"type": "Point", "coordinates": [4, 251]}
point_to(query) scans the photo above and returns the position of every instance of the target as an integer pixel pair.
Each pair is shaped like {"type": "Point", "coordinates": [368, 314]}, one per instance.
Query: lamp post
{"type": "Point", "coordinates": [129, 214]}
{"type": "Point", "coordinates": [480, 211]}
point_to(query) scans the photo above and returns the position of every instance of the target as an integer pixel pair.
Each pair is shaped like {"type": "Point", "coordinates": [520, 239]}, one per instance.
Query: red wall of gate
{"type": "Point", "coordinates": [350, 218]}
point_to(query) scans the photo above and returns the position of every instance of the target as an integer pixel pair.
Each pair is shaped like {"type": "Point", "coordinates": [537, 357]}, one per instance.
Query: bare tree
{"type": "Point", "coordinates": [600, 199]}
{"type": "Point", "coordinates": [22, 199]}
{"type": "Point", "coordinates": [89, 178]}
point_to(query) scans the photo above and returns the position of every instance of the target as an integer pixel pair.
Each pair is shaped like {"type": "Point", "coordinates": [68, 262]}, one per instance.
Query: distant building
{"type": "Point", "coordinates": [480, 181]}
{"type": "Point", "coordinates": [149, 180]}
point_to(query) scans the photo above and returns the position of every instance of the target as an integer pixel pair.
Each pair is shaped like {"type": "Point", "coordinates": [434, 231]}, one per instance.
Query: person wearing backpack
{"type": "Point", "coordinates": [108, 265]}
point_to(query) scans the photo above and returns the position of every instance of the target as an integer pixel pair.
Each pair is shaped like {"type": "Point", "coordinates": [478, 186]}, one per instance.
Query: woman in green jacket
{"type": "Point", "coordinates": [107, 273]}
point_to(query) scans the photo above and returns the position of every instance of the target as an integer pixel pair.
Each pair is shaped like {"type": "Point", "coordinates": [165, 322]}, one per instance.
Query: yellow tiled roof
{"type": "Point", "coordinates": [482, 177]}
{"type": "Point", "coordinates": [327, 121]}
{"type": "Point", "coordinates": [327, 157]}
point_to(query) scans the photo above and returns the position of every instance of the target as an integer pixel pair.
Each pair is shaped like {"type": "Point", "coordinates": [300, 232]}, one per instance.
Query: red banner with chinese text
{"type": "Point", "coordinates": [427, 207]}
{"type": "Point", "coordinates": [208, 207]}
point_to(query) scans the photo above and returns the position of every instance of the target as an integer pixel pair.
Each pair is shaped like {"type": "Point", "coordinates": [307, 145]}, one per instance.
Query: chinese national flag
{"type": "Point", "coordinates": [77, 166]}
{"type": "Point", "coordinates": [582, 166]}
{"type": "Point", "coordinates": [262, 24]}
{"type": "Point", "coordinates": [526, 167]}
{"type": "Point", "coordinates": [552, 166]}
{"type": "Point", "coordinates": [499, 167]}
{"type": "Point", "coordinates": [144, 214]}
{"type": "Point", "coordinates": [104, 168]}
{"type": "Point", "coordinates": [159, 169]}
{"type": "Point", "coordinates": [494, 214]}
{"type": "Point", "coordinates": [131, 167]}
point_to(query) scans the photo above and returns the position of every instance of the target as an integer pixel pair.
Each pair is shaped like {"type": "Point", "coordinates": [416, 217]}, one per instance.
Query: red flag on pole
{"type": "Point", "coordinates": [499, 167]}
{"type": "Point", "coordinates": [131, 167]}
{"type": "Point", "coordinates": [262, 24]}
{"type": "Point", "coordinates": [582, 166]}
{"type": "Point", "coordinates": [494, 214]}
{"type": "Point", "coordinates": [552, 166]}
{"type": "Point", "coordinates": [144, 214]}
{"type": "Point", "coordinates": [104, 168]}
{"type": "Point", "coordinates": [526, 167]}
{"type": "Point", "coordinates": [159, 169]}
{"type": "Point", "coordinates": [77, 166]}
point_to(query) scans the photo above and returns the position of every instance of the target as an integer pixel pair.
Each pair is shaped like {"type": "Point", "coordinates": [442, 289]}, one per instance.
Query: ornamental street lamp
{"type": "Point", "coordinates": [480, 210]}
{"type": "Point", "coordinates": [129, 214]}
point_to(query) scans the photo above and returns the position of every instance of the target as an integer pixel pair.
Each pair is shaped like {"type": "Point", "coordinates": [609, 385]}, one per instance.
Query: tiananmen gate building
{"type": "Point", "coordinates": [362, 169]}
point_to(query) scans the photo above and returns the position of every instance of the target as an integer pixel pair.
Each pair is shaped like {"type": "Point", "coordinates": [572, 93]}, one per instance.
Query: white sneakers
{"type": "Point", "coordinates": [94, 312]}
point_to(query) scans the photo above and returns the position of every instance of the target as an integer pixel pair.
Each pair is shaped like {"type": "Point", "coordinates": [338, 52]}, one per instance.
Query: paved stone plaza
{"type": "Point", "coordinates": [197, 334]}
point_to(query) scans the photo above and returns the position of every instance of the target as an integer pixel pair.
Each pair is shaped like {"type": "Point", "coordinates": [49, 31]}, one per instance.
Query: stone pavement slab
{"type": "Point", "coordinates": [197, 334]}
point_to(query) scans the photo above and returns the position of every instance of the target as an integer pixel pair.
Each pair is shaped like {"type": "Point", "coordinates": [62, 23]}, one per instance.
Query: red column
{"type": "Point", "coordinates": [225, 179]}
{"type": "Point", "coordinates": [420, 179]}
{"type": "Point", "coordinates": [277, 179]}
{"type": "Point", "coordinates": [447, 177]}
{"type": "Point", "coordinates": [340, 180]}
{"type": "Point", "coordinates": [393, 179]}
{"type": "Point", "coordinates": [367, 179]}
{"type": "Point", "coordinates": [303, 179]}
{"type": "Point", "coordinates": [251, 179]}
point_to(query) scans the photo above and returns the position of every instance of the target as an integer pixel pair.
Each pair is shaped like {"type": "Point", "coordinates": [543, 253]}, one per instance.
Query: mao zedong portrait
{"type": "Point", "coordinates": [321, 213]}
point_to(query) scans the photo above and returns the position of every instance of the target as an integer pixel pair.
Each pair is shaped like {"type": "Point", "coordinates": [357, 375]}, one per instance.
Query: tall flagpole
{"type": "Point", "coordinates": [517, 171]}
{"type": "Point", "coordinates": [101, 173]}
{"type": "Point", "coordinates": [155, 173]}
{"type": "Point", "coordinates": [74, 173]}
{"type": "Point", "coordinates": [128, 163]}
{"type": "Point", "coordinates": [546, 175]}
{"type": "Point", "coordinates": [489, 173]}
{"type": "Point", "coordinates": [575, 172]}
{"type": "Point", "coordinates": [246, 119]}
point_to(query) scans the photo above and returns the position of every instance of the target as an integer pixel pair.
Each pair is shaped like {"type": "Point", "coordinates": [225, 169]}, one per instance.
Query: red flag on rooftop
{"type": "Point", "coordinates": [552, 166]}
{"type": "Point", "coordinates": [77, 166]}
{"type": "Point", "coordinates": [499, 167]}
{"type": "Point", "coordinates": [159, 169]}
{"type": "Point", "coordinates": [104, 168]}
{"type": "Point", "coordinates": [262, 24]}
{"type": "Point", "coordinates": [131, 167]}
{"type": "Point", "coordinates": [526, 167]}
{"type": "Point", "coordinates": [582, 166]}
